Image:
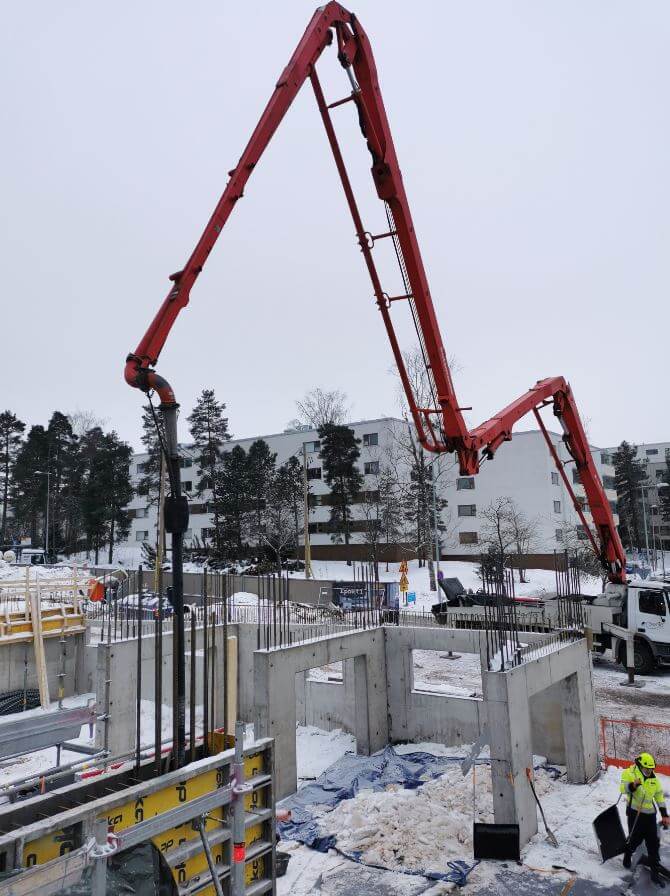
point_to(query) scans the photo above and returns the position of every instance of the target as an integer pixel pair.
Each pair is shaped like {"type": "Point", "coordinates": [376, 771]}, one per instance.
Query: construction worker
{"type": "Point", "coordinates": [644, 792]}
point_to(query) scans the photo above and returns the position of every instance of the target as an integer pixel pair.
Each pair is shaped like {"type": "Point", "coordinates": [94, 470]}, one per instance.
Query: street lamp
{"type": "Point", "coordinates": [46, 473]}
{"type": "Point", "coordinates": [433, 480]}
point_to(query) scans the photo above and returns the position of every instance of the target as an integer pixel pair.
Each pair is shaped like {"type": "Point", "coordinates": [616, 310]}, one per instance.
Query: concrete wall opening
{"type": "Point", "coordinates": [447, 672]}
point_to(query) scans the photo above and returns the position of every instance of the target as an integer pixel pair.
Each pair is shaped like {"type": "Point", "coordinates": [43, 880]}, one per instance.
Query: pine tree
{"type": "Point", "coordinates": [94, 511]}
{"type": "Point", "coordinates": [629, 475]}
{"type": "Point", "coordinates": [118, 456]}
{"type": "Point", "coordinates": [149, 484]}
{"type": "Point", "coordinates": [339, 454]}
{"type": "Point", "coordinates": [260, 472]}
{"type": "Point", "coordinates": [107, 489]}
{"type": "Point", "coordinates": [11, 429]}
{"type": "Point", "coordinates": [209, 429]}
{"type": "Point", "coordinates": [233, 488]}
{"type": "Point", "coordinates": [29, 491]}
{"type": "Point", "coordinates": [63, 464]}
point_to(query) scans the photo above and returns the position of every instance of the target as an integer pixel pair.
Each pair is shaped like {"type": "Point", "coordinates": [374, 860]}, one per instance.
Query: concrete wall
{"type": "Point", "coordinates": [563, 670]}
{"type": "Point", "coordinates": [275, 673]}
{"type": "Point", "coordinates": [116, 683]}
{"type": "Point", "coordinates": [17, 665]}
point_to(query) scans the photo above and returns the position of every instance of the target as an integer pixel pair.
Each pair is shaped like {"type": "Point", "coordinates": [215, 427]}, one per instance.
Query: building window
{"type": "Point", "coordinates": [605, 459]}
{"type": "Point", "coordinates": [141, 468]}
{"type": "Point", "coordinates": [187, 486]}
{"type": "Point", "coordinates": [575, 477]}
{"type": "Point", "coordinates": [371, 467]}
{"type": "Point", "coordinates": [467, 510]}
{"type": "Point", "coordinates": [185, 462]}
{"type": "Point", "coordinates": [613, 506]}
{"type": "Point", "coordinates": [557, 506]}
{"type": "Point", "coordinates": [141, 535]}
{"type": "Point", "coordinates": [312, 447]}
{"type": "Point", "coordinates": [198, 508]}
{"type": "Point", "coordinates": [370, 439]}
{"type": "Point", "coordinates": [468, 537]}
{"type": "Point", "coordinates": [554, 478]}
{"type": "Point", "coordinates": [582, 534]}
{"type": "Point", "coordinates": [559, 535]}
{"type": "Point", "coordinates": [465, 482]}
{"type": "Point", "coordinates": [142, 512]}
{"type": "Point", "coordinates": [660, 474]}
{"type": "Point", "coordinates": [314, 472]}
{"type": "Point", "coordinates": [650, 452]}
{"type": "Point", "coordinates": [609, 482]}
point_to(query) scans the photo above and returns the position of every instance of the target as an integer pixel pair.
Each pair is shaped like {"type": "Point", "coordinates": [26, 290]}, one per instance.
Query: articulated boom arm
{"type": "Point", "coordinates": [440, 426]}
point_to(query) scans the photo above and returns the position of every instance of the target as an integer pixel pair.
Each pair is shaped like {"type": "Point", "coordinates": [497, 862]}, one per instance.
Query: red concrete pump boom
{"type": "Point", "coordinates": [440, 426]}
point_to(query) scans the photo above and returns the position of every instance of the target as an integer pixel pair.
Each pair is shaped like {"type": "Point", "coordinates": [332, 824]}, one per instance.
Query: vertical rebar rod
{"type": "Point", "coordinates": [192, 697]}
{"type": "Point", "coordinates": [212, 672]}
{"type": "Point", "coordinates": [138, 695]}
{"type": "Point", "coordinates": [205, 667]}
{"type": "Point", "coordinates": [158, 671]}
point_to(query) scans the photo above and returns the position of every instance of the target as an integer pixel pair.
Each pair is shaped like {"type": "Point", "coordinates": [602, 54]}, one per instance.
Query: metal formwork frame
{"type": "Point", "coordinates": [185, 813]}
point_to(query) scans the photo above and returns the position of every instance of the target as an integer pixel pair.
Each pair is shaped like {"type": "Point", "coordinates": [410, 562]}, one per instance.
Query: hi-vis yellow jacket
{"type": "Point", "coordinates": [642, 799]}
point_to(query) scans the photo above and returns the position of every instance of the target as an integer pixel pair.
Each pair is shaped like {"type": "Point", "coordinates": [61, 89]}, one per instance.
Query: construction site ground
{"type": "Point", "coordinates": [569, 811]}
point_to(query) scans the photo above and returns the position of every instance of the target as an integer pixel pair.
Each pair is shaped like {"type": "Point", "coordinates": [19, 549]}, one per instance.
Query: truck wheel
{"type": "Point", "coordinates": [645, 662]}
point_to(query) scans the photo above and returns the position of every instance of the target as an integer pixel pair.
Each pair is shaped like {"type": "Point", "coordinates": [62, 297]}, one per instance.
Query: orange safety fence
{"type": "Point", "coordinates": [622, 740]}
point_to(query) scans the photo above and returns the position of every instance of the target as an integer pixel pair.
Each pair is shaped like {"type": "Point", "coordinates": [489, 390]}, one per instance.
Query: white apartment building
{"type": "Point", "coordinates": [522, 470]}
{"type": "Point", "coordinates": [654, 455]}
{"type": "Point", "coordinates": [376, 438]}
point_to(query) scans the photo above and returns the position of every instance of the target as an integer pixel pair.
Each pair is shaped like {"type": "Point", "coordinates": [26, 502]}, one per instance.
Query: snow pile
{"type": "Point", "coordinates": [417, 830]}
{"type": "Point", "coordinates": [42, 573]}
{"type": "Point", "coordinates": [244, 599]}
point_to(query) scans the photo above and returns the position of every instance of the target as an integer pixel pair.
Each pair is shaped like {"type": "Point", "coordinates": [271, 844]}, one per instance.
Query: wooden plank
{"type": "Point", "coordinates": [38, 642]}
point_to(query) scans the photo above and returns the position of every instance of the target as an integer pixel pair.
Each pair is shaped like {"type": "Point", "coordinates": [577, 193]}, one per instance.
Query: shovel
{"type": "Point", "coordinates": [551, 837]}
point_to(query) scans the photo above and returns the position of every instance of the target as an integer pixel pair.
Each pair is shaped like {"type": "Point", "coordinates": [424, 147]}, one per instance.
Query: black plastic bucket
{"type": "Point", "coordinates": [496, 841]}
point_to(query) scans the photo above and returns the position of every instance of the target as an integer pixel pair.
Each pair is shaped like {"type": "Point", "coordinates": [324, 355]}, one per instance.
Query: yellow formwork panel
{"type": "Point", "coordinates": [44, 849]}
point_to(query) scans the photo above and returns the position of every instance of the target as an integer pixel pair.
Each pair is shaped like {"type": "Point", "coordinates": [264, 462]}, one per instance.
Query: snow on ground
{"type": "Point", "coordinates": [16, 573]}
{"type": "Point", "coordinates": [540, 581]}
{"type": "Point", "coordinates": [423, 829]}
{"type": "Point", "coordinates": [317, 750]}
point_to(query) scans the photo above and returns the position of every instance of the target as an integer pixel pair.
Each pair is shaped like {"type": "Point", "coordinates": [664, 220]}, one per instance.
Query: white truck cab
{"type": "Point", "coordinates": [641, 609]}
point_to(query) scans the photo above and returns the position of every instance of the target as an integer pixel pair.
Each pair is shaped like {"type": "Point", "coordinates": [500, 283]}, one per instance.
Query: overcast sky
{"type": "Point", "coordinates": [534, 142]}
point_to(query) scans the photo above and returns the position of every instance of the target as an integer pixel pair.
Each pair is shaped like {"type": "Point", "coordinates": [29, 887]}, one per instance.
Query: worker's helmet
{"type": "Point", "coordinates": [646, 760]}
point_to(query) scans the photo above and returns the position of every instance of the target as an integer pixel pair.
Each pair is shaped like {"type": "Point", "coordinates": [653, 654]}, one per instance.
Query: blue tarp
{"type": "Point", "coordinates": [345, 779]}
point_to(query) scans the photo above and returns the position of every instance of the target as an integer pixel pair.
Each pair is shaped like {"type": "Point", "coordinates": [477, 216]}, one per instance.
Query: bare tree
{"type": "Point", "coordinates": [278, 530]}
{"type": "Point", "coordinates": [84, 421]}
{"type": "Point", "coordinates": [523, 533]}
{"type": "Point", "coordinates": [579, 549]}
{"type": "Point", "coordinates": [507, 529]}
{"type": "Point", "coordinates": [495, 532]}
{"type": "Point", "coordinates": [320, 407]}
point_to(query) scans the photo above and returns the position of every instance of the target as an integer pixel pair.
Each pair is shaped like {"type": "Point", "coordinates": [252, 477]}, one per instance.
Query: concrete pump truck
{"type": "Point", "coordinates": [439, 423]}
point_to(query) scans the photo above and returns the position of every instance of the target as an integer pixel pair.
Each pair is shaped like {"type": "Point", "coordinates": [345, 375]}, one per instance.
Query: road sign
{"type": "Point", "coordinates": [404, 582]}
